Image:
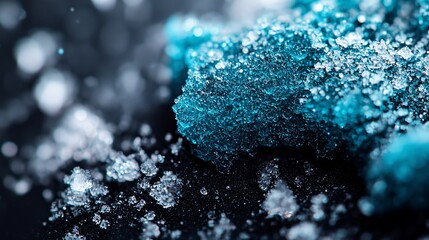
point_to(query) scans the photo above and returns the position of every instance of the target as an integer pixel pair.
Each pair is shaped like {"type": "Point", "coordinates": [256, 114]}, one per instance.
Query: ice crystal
{"type": "Point", "coordinates": [82, 188]}
{"type": "Point", "coordinates": [167, 190]}
{"type": "Point", "coordinates": [74, 235]}
{"type": "Point", "coordinates": [280, 201]}
{"type": "Point", "coordinates": [123, 168]}
{"type": "Point", "coordinates": [268, 176]}
{"type": "Point", "coordinates": [203, 191]}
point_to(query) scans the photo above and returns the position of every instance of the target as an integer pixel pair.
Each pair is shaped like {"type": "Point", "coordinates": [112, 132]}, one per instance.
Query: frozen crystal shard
{"type": "Point", "coordinates": [167, 190]}
{"type": "Point", "coordinates": [280, 201]}
{"type": "Point", "coordinates": [123, 168]}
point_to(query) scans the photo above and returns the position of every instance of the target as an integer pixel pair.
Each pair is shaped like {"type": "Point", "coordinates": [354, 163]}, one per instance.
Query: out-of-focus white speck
{"type": "Point", "coordinates": [11, 14]}
{"type": "Point", "coordinates": [35, 52]}
{"type": "Point", "coordinates": [104, 5]}
{"type": "Point", "coordinates": [54, 90]}
{"type": "Point", "coordinates": [9, 149]}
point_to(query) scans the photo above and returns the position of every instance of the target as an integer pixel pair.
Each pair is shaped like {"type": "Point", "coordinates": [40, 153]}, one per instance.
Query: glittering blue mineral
{"type": "Point", "coordinates": [333, 74]}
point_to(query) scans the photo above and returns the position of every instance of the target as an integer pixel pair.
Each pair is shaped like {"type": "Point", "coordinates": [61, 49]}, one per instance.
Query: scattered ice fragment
{"type": "Point", "coordinates": [148, 164]}
{"type": "Point", "coordinates": [203, 191]}
{"type": "Point", "coordinates": [74, 235]}
{"type": "Point", "coordinates": [123, 168]}
{"type": "Point", "coordinates": [405, 53]}
{"type": "Point", "coordinates": [61, 51]}
{"type": "Point", "coordinates": [268, 176]}
{"type": "Point", "coordinates": [280, 201]}
{"type": "Point", "coordinates": [83, 187]}
{"type": "Point", "coordinates": [167, 190]}
{"type": "Point", "coordinates": [139, 206]}
{"type": "Point", "coordinates": [104, 224]}
{"type": "Point", "coordinates": [150, 216]}
{"type": "Point", "coordinates": [304, 230]}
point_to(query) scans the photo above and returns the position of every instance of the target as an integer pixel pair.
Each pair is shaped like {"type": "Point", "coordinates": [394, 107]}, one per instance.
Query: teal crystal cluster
{"type": "Point", "coordinates": [326, 74]}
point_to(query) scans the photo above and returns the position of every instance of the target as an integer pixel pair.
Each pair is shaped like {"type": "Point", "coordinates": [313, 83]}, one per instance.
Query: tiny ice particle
{"type": "Point", "coordinates": [304, 230]}
{"type": "Point", "coordinates": [74, 235]}
{"type": "Point", "coordinates": [203, 191]}
{"type": "Point", "coordinates": [280, 201]}
{"type": "Point", "coordinates": [150, 216]}
{"type": "Point", "coordinates": [405, 53]}
{"type": "Point", "coordinates": [82, 188]}
{"type": "Point", "coordinates": [60, 51]}
{"type": "Point", "coordinates": [167, 190]}
{"type": "Point", "coordinates": [104, 224]}
{"type": "Point", "coordinates": [268, 176]}
{"type": "Point", "coordinates": [123, 168]}
{"type": "Point", "coordinates": [148, 164]}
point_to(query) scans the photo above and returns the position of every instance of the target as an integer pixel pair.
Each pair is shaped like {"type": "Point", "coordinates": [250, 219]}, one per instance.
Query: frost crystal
{"type": "Point", "coordinates": [280, 201]}
{"type": "Point", "coordinates": [123, 168]}
{"type": "Point", "coordinates": [167, 190]}
{"type": "Point", "coordinates": [268, 176]}
{"type": "Point", "coordinates": [74, 235]}
{"type": "Point", "coordinates": [82, 188]}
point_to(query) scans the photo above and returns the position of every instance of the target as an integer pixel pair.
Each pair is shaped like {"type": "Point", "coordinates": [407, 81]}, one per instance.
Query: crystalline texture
{"type": "Point", "coordinates": [343, 73]}
{"type": "Point", "coordinates": [123, 168]}
{"type": "Point", "coordinates": [167, 190]}
{"type": "Point", "coordinates": [280, 201]}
